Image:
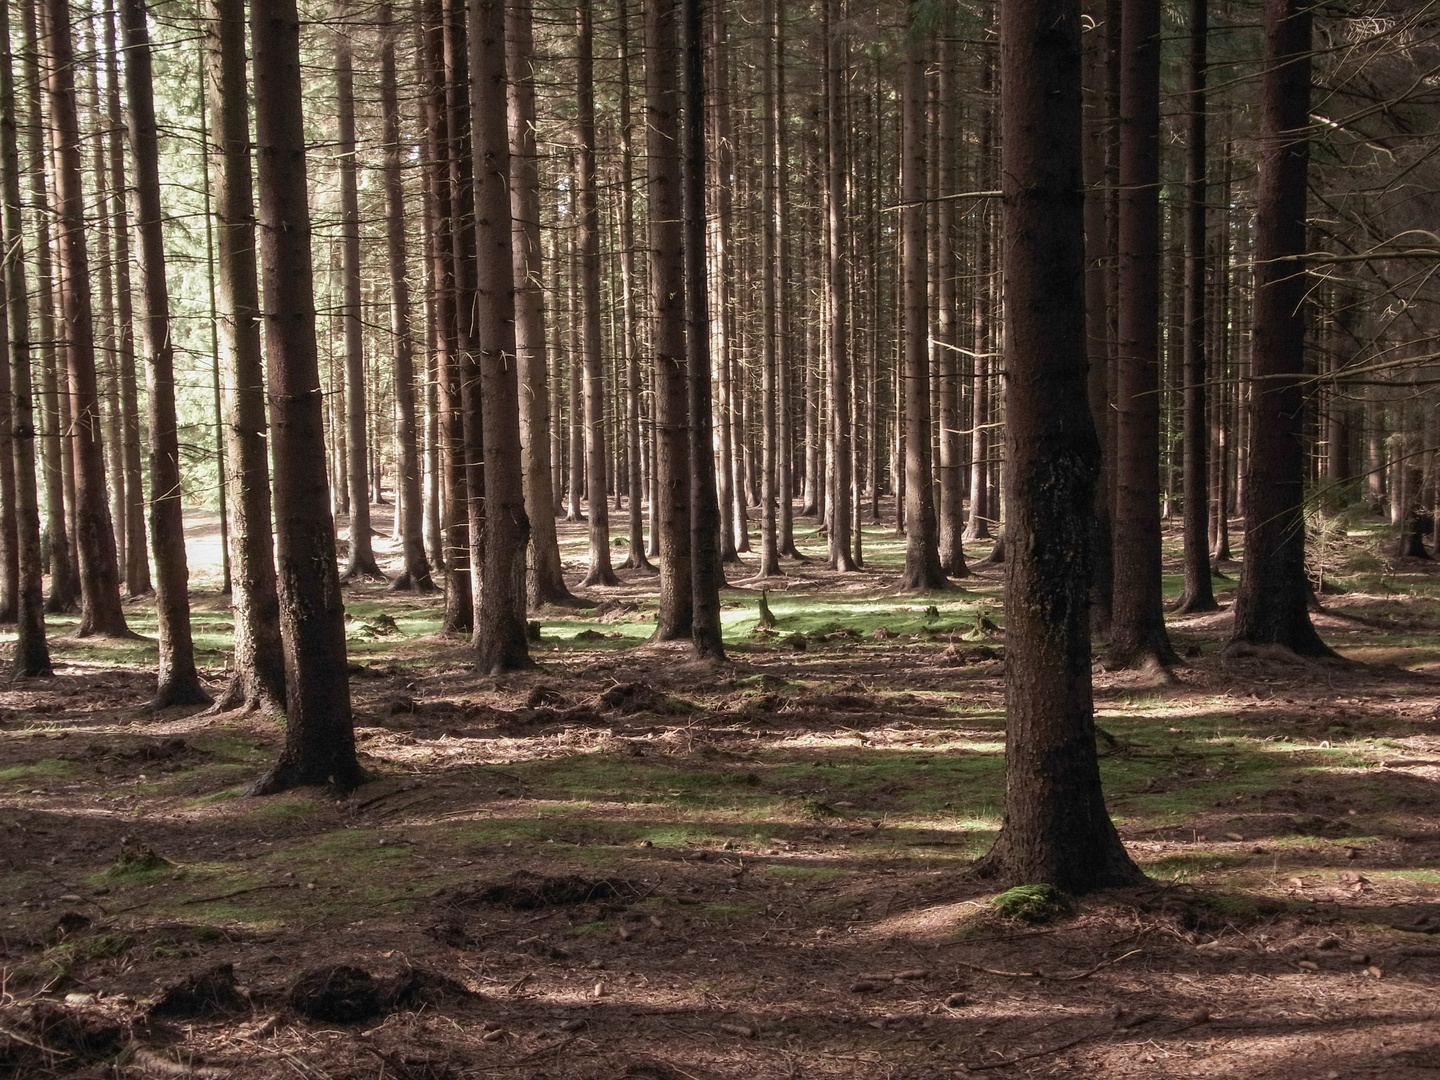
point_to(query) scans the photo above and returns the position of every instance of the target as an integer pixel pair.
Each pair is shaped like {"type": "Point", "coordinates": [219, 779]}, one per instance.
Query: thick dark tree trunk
{"type": "Point", "coordinates": [596, 460]}
{"type": "Point", "coordinates": [1271, 603]}
{"type": "Point", "coordinates": [922, 548]}
{"type": "Point", "coordinates": [546, 579]}
{"type": "Point", "coordinates": [1056, 828]}
{"type": "Point", "coordinates": [259, 681]}
{"type": "Point", "coordinates": [1097, 135]}
{"type": "Point", "coordinates": [361, 562]}
{"type": "Point", "coordinates": [178, 681]}
{"type": "Point", "coordinates": [1137, 633]}
{"type": "Point", "coordinates": [500, 640]}
{"type": "Point", "coordinates": [100, 610]}
{"type": "Point", "coordinates": [32, 652]}
{"type": "Point", "coordinates": [64, 581]}
{"type": "Point", "coordinates": [707, 575]}
{"type": "Point", "coordinates": [1199, 592]}
{"type": "Point", "coordinates": [667, 292]}
{"type": "Point", "coordinates": [415, 575]}
{"type": "Point", "coordinates": [319, 731]}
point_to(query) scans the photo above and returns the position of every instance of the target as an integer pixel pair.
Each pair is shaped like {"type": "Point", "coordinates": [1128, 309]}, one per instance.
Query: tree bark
{"type": "Point", "coordinates": [1271, 603]}
{"type": "Point", "coordinates": [841, 517]}
{"type": "Point", "coordinates": [1137, 633]}
{"type": "Point", "coordinates": [667, 292]}
{"type": "Point", "coordinates": [103, 275]}
{"type": "Point", "coordinates": [64, 580]}
{"type": "Point", "coordinates": [546, 579]}
{"type": "Point", "coordinates": [707, 574]}
{"type": "Point", "coordinates": [445, 139]}
{"type": "Point", "coordinates": [259, 681]}
{"type": "Point", "coordinates": [596, 462]}
{"type": "Point", "coordinates": [1056, 828]}
{"type": "Point", "coordinates": [1097, 134]}
{"type": "Point", "coordinates": [319, 731]}
{"type": "Point", "coordinates": [361, 562]}
{"type": "Point", "coordinates": [178, 682]}
{"type": "Point", "coordinates": [100, 610]}
{"type": "Point", "coordinates": [769, 288]}
{"type": "Point", "coordinates": [32, 651]}
{"type": "Point", "coordinates": [415, 574]}
{"type": "Point", "coordinates": [951, 512]}
{"type": "Point", "coordinates": [784, 340]}
{"type": "Point", "coordinates": [500, 632]}
{"type": "Point", "coordinates": [1199, 594]}
{"type": "Point", "coordinates": [633, 373]}
{"type": "Point", "coordinates": [922, 551]}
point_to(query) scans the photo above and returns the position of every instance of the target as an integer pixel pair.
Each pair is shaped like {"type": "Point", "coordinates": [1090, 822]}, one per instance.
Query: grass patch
{"type": "Point", "coordinates": [45, 769]}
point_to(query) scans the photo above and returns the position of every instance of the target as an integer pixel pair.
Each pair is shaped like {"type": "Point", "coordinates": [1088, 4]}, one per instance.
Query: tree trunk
{"type": "Point", "coordinates": [784, 307]}
{"type": "Point", "coordinates": [440, 146]}
{"type": "Point", "coordinates": [100, 610]}
{"type": "Point", "coordinates": [1271, 603]}
{"type": "Point", "coordinates": [769, 288]}
{"type": "Point", "coordinates": [720, 155]}
{"type": "Point", "coordinates": [596, 463]}
{"type": "Point", "coordinates": [1096, 131]}
{"type": "Point", "coordinates": [922, 551]}
{"type": "Point", "coordinates": [1199, 592]}
{"type": "Point", "coordinates": [1056, 828]}
{"type": "Point", "coordinates": [178, 682]}
{"type": "Point", "coordinates": [707, 575]}
{"type": "Point", "coordinates": [319, 731]}
{"type": "Point", "coordinates": [837, 285]}
{"type": "Point", "coordinates": [64, 581]}
{"type": "Point", "coordinates": [575, 459]}
{"type": "Point", "coordinates": [500, 639]}
{"type": "Point", "coordinates": [362, 555]}
{"type": "Point", "coordinates": [667, 292]}
{"type": "Point", "coordinates": [137, 556]}
{"type": "Point", "coordinates": [952, 504]}
{"type": "Point", "coordinates": [546, 579]}
{"type": "Point", "coordinates": [217, 403]}
{"type": "Point", "coordinates": [1137, 633]}
{"type": "Point", "coordinates": [633, 372]}
{"type": "Point", "coordinates": [415, 575]}
{"type": "Point", "coordinates": [32, 652]}
{"type": "Point", "coordinates": [104, 267]}
{"type": "Point", "coordinates": [259, 682]}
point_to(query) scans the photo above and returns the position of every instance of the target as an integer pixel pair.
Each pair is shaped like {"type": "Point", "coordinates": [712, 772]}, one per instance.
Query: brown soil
{"type": "Point", "coordinates": [567, 953]}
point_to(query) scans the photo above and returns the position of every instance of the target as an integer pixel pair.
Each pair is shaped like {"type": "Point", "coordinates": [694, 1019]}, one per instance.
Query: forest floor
{"type": "Point", "coordinates": [623, 864]}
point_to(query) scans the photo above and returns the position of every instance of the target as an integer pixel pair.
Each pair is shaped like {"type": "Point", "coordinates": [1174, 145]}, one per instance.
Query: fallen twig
{"type": "Point", "coordinates": [1043, 975]}
{"type": "Point", "coordinates": [1038, 1053]}
{"type": "Point", "coordinates": [237, 892]}
{"type": "Point", "coordinates": [1103, 964]}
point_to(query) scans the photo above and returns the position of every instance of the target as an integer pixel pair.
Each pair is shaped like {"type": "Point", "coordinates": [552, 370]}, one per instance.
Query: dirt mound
{"type": "Point", "coordinates": [211, 992]}
{"type": "Point", "coordinates": [418, 988]}
{"type": "Point", "coordinates": [628, 698]}
{"type": "Point", "coordinates": [524, 891]}
{"type": "Point", "coordinates": [340, 994]}
{"type": "Point", "coordinates": [80, 1032]}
